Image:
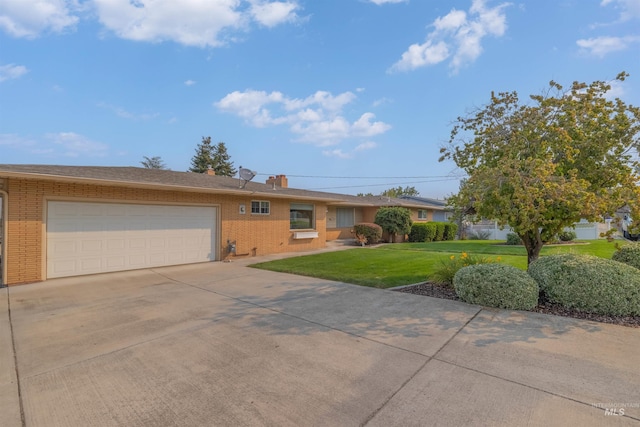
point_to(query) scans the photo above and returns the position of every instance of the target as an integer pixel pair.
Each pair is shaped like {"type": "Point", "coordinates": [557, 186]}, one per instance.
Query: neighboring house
{"type": "Point", "coordinates": [438, 207]}
{"type": "Point", "coordinates": [61, 221]}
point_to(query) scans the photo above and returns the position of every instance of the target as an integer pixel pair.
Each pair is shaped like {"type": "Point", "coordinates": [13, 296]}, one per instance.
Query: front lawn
{"type": "Point", "coordinates": [398, 264]}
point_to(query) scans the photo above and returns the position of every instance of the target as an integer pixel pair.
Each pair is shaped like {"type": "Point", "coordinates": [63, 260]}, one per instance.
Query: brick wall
{"type": "Point", "coordinates": [253, 234]}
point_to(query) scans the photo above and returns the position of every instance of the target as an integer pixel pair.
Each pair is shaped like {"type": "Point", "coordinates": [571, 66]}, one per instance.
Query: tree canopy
{"type": "Point", "coordinates": [155, 162]}
{"type": "Point", "coordinates": [542, 166]}
{"type": "Point", "coordinates": [211, 156]}
{"type": "Point", "coordinates": [395, 192]}
{"type": "Point", "coordinates": [394, 220]}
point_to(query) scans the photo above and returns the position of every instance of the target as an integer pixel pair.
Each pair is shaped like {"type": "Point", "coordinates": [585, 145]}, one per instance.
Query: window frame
{"type": "Point", "coordinates": [423, 211]}
{"type": "Point", "coordinates": [339, 216]}
{"type": "Point", "coordinates": [261, 204]}
{"type": "Point", "coordinates": [312, 220]}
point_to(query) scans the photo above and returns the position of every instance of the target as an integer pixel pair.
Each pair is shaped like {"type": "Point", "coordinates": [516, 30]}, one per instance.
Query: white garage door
{"type": "Point", "coordinates": [87, 238]}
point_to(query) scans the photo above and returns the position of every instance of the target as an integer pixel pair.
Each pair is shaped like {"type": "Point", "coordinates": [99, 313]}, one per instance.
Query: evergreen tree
{"type": "Point", "coordinates": [203, 158]}
{"type": "Point", "coordinates": [155, 162]}
{"type": "Point", "coordinates": [222, 163]}
{"type": "Point", "coordinates": [214, 156]}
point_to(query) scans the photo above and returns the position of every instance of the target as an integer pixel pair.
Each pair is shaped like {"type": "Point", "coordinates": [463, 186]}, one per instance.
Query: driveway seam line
{"type": "Point", "coordinates": [381, 407]}
{"type": "Point", "coordinates": [525, 385]}
{"type": "Point", "coordinates": [15, 360]}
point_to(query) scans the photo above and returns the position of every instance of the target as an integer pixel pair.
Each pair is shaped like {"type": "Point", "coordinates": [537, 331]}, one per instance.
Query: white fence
{"type": "Point", "coordinates": [584, 230]}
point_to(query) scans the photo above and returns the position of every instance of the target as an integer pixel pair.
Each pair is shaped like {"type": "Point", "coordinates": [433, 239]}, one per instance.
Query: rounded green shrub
{"type": "Point", "coordinates": [496, 285]}
{"type": "Point", "coordinates": [422, 232]}
{"type": "Point", "coordinates": [418, 232]}
{"type": "Point", "coordinates": [513, 239]}
{"type": "Point", "coordinates": [628, 254]}
{"type": "Point", "coordinates": [567, 236]}
{"type": "Point", "coordinates": [368, 232]}
{"type": "Point", "coordinates": [588, 283]}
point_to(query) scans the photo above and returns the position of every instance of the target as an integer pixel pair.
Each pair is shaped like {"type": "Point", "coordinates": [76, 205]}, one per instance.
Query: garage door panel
{"type": "Point", "coordinates": [91, 245]}
{"type": "Point", "coordinates": [86, 238]}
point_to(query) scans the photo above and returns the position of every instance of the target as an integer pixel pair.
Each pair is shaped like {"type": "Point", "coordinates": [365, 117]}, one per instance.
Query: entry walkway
{"type": "Point", "coordinates": [227, 345]}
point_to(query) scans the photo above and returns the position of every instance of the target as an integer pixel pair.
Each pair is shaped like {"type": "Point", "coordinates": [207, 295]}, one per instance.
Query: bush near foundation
{"type": "Point", "coordinates": [367, 233]}
{"type": "Point", "coordinates": [496, 285]}
{"type": "Point", "coordinates": [589, 283]}
{"type": "Point", "coordinates": [439, 231]}
{"type": "Point", "coordinates": [628, 254]}
{"type": "Point", "coordinates": [450, 231]}
{"type": "Point", "coordinates": [422, 232]}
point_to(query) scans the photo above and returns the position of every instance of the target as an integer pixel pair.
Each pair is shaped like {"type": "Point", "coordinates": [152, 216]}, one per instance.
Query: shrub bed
{"type": "Point", "coordinates": [628, 254]}
{"type": "Point", "coordinates": [589, 283]}
{"type": "Point", "coordinates": [496, 285]}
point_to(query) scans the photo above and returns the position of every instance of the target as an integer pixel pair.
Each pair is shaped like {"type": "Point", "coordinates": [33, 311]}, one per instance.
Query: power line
{"type": "Point", "coordinates": [362, 177]}
{"type": "Point", "coordinates": [384, 184]}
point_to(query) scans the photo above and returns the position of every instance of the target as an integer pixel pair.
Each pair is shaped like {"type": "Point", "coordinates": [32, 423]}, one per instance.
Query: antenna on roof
{"type": "Point", "coordinates": [246, 175]}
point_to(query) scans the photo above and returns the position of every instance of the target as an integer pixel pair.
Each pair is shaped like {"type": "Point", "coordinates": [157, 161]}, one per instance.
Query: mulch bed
{"type": "Point", "coordinates": [438, 291]}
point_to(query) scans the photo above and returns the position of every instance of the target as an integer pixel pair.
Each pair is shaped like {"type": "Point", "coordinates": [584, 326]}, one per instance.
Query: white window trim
{"type": "Point", "coordinates": [260, 202]}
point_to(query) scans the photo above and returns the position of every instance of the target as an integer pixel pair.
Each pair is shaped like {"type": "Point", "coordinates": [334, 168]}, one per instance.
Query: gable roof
{"type": "Point", "coordinates": [428, 202]}
{"type": "Point", "coordinates": [159, 179]}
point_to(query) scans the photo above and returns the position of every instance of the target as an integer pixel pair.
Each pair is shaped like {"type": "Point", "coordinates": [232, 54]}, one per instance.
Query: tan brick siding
{"type": "Point", "coordinates": [253, 234]}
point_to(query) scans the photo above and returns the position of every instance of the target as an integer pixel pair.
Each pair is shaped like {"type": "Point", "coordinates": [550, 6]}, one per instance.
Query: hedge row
{"type": "Point", "coordinates": [433, 231]}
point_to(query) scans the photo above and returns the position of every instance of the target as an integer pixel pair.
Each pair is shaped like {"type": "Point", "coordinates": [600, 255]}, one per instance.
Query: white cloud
{"type": "Point", "coordinates": [337, 153]}
{"type": "Point", "coordinates": [15, 141]}
{"type": "Point", "coordinates": [629, 9]}
{"type": "Point", "coordinates": [316, 119]}
{"type": "Point", "coordinates": [30, 18]}
{"type": "Point", "coordinates": [275, 13]}
{"type": "Point", "coordinates": [456, 36]}
{"type": "Point", "coordinates": [12, 71]}
{"type": "Point", "coordinates": [379, 2]}
{"type": "Point", "coordinates": [190, 22]}
{"type": "Point", "coordinates": [366, 146]}
{"type": "Point", "coordinates": [341, 154]}
{"type": "Point", "coordinates": [65, 144]}
{"type": "Point", "coordinates": [189, 82]}
{"type": "Point", "coordinates": [74, 145]}
{"type": "Point", "coordinates": [601, 46]}
{"type": "Point", "coordinates": [121, 112]}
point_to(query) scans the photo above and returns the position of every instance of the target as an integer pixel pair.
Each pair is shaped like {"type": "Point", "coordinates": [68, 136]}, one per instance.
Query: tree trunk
{"type": "Point", "coordinates": [533, 244]}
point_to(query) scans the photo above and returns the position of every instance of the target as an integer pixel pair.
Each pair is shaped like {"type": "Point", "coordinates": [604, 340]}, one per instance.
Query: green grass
{"type": "Point", "coordinates": [407, 263]}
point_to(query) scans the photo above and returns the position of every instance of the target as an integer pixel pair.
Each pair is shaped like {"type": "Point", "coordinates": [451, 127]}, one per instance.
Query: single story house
{"type": "Point", "coordinates": [61, 221]}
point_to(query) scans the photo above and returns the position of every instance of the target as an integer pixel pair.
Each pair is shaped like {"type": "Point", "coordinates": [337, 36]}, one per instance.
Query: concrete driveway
{"type": "Point", "coordinates": [221, 344]}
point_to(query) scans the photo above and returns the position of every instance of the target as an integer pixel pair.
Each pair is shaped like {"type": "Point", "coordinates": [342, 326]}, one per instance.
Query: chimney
{"type": "Point", "coordinates": [210, 171]}
{"type": "Point", "coordinates": [278, 180]}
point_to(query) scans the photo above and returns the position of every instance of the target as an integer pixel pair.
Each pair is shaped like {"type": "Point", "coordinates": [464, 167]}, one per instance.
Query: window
{"type": "Point", "coordinates": [422, 214]}
{"type": "Point", "coordinates": [345, 217]}
{"type": "Point", "coordinates": [301, 216]}
{"type": "Point", "coordinates": [260, 207]}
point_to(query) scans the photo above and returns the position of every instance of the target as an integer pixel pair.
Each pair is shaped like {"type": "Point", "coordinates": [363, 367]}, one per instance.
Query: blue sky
{"type": "Point", "coordinates": [344, 96]}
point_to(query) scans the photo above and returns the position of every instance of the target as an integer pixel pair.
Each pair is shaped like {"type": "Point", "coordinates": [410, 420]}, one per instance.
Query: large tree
{"type": "Point", "coordinates": [542, 166]}
{"type": "Point", "coordinates": [212, 156]}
